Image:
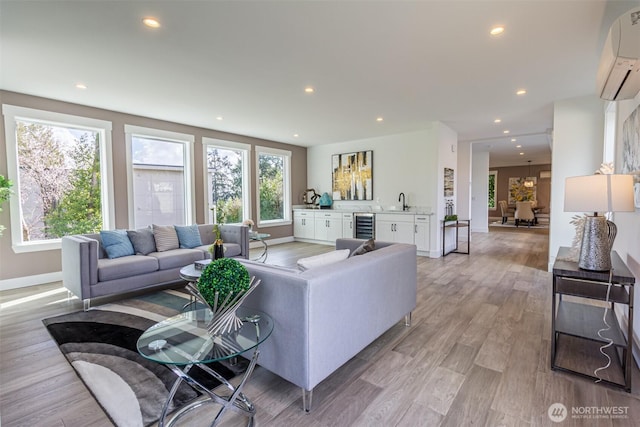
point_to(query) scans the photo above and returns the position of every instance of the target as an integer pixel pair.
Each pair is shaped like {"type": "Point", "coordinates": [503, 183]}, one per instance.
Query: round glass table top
{"type": "Point", "coordinates": [184, 339]}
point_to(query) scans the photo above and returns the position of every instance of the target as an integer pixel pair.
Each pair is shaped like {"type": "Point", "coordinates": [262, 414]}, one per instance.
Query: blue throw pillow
{"type": "Point", "coordinates": [188, 236]}
{"type": "Point", "coordinates": [116, 243]}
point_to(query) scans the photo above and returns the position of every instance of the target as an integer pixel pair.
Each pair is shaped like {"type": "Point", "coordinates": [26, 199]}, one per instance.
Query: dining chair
{"type": "Point", "coordinates": [504, 209]}
{"type": "Point", "coordinates": [524, 213]}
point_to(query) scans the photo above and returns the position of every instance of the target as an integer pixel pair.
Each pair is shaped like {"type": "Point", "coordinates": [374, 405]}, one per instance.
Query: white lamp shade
{"type": "Point", "coordinates": [599, 193]}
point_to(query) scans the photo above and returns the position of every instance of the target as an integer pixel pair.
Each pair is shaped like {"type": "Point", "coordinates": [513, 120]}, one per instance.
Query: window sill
{"type": "Point", "coordinates": [49, 245]}
{"type": "Point", "coordinates": [266, 224]}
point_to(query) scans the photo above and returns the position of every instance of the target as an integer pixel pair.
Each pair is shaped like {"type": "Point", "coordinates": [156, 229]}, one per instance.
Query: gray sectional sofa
{"type": "Point", "coordinates": [88, 272]}
{"type": "Point", "coordinates": [326, 315]}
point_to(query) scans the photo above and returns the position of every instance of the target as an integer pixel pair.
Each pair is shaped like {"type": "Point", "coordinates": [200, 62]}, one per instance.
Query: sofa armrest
{"type": "Point", "coordinates": [239, 234]}
{"type": "Point", "coordinates": [79, 265]}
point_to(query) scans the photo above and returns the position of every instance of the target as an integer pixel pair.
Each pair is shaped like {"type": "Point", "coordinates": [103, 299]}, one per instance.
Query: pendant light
{"type": "Point", "coordinates": [528, 182]}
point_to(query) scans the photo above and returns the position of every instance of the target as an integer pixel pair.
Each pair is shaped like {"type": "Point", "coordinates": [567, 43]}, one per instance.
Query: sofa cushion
{"type": "Point", "coordinates": [365, 247]}
{"type": "Point", "coordinates": [176, 258]}
{"type": "Point", "coordinates": [188, 236]}
{"type": "Point", "coordinates": [119, 268]}
{"type": "Point", "coordinates": [166, 237]}
{"type": "Point", "coordinates": [116, 243]}
{"type": "Point", "coordinates": [323, 259]}
{"type": "Point", "coordinates": [142, 240]}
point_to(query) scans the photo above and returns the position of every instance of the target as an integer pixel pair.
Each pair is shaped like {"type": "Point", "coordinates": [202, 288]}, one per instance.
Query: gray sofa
{"type": "Point", "coordinates": [88, 273]}
{"type": "Point", "coordinates": [326, 315]}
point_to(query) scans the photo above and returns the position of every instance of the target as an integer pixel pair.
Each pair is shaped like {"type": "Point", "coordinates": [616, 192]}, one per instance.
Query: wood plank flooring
{"type": "Point", "coordinates": [477, 353]}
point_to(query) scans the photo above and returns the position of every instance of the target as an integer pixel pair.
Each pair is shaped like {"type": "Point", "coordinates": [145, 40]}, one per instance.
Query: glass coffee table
{"type": "Point", "coordinates": [182, 343]}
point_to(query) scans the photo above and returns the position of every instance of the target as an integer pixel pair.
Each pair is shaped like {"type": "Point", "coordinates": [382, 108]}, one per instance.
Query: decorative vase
{"type": "Point", "coordinates": [218, 250]}
{"type": "Point", "coordinates": [223, 286]}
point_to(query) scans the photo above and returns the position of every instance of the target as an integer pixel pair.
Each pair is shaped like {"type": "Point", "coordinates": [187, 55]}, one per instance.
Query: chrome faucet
{"type": "Point", "coordinates": [404, 204]}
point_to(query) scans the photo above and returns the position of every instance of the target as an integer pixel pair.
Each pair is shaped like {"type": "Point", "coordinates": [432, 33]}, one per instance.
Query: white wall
{"type": "Point", "coordinates": [578, 138]}
{"type": "Point", "coordinates": [411, 163]}
{"type": "Point", "coordinates": [627, 242]}
{"type": "Point", "coordinates": [480, 191]}
{"type": "Point", "coordinates": [465, 158]}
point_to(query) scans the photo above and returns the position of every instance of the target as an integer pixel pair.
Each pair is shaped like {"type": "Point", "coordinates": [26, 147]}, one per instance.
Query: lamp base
{"type": "Point", "coordinates": [597, 240]}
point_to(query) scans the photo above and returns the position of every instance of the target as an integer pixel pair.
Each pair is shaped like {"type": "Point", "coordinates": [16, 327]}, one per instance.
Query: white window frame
{"type": "Point", "coordinates": [246, 183]}
{"type": "Point", "coordinates": [495, 189]}
{"type": "Point", "coordinates": [11, 114]}
{"type": "Point", "coordinates": [189, 173]}
{"type": "Point", "coordinates": [286, 190]}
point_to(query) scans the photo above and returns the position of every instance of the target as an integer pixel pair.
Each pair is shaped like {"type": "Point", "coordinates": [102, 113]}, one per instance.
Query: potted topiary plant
{"type": "Point", "coordinates": [223, 285]}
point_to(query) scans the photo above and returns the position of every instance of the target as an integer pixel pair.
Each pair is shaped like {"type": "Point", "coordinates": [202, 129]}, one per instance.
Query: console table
{"type": "Point", "coordinates": [583, 320]}
{"type": "Point", "coordinates": [457, 224]}
{"type": "Point", "coordinates": [183, 342]}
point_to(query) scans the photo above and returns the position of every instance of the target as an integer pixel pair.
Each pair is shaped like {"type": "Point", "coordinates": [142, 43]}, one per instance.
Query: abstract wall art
{"type": "Point", "coordinates": [352, 176]}
{"type": "Point", "coordinates": [631, 150]}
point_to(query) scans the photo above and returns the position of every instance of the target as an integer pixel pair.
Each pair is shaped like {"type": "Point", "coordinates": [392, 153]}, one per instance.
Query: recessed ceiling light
{"type": "Point", "coordinates": [497, 30]}
{"type": "Point", "coordinates": [497, 121]}
{"type": "Point", "coordinates": [379, 119]}
{"type": "Point", "coordinates": [151, 22]}
{"type": "Point", "coordinates": [518, 146]}
{"type": "Point", "coordinates": [521, 92]}
{"type": "Point", "coordinates": [309, 89]}
{"type": "Point", "coordinates": [513, 140]}
{"type": "Point", "coordinates": [505, 131]}
{"type": "Point", "coordinates": [522, 154]}
{"type": "Point", "coordinates": [295, 135]}
{"type": "Point", "coordinates": [219, 118]}
{"type": "Point", "coordinates": [81, 86]}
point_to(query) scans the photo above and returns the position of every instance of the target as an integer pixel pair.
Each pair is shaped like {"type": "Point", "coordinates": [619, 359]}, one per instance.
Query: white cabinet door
{"type": "Point", "coordinates": [347, 225]}
{"type": "Point", "coordinates": [303, 225]}
{"type": "Point", "coordinates": [421, 228]}
{"type": "Point", "coordinates": [394, 228]}
{"type": "Point", "coordinates": [384, 230]}
{"type": "Point", "coordinates": [328, 226]}
{"type": "Point", "coordinates": [404, 232]}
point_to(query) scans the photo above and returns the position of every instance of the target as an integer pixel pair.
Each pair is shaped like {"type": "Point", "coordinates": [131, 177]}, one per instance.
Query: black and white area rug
{"type": "Point", "coordinates": [100, 344]}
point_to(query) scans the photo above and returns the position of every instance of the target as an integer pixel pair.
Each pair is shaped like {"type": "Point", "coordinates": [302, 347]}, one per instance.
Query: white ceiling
{"type": "Point", "coordinates": [409, 62]}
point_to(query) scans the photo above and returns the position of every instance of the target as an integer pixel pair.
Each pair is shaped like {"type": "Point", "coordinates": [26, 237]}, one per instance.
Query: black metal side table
{"type": "Point", "coordinates": [583, 320]}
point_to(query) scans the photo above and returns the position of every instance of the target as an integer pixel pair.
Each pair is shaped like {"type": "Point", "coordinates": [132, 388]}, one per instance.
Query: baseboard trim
{"type": "Point", "coordinates": [253, 244]}
{"type": "Point", "coordinates": [26, 281]}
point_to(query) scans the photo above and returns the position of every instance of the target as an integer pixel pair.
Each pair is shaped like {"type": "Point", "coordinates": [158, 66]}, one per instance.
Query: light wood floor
{"type": "Point", "coordinates": [476, 354]}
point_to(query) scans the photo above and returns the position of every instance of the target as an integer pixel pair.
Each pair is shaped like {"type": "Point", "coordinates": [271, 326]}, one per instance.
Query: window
{"type": "Point", "coordinates": [60, 165]}
{"type": "Point", "coordinates": [493, 185]}
{"type": "Point", "coordinates": [273, 179]}
{"type": "Point", "coordinates": [227, 181]}
{"type": "Point", "coordinates": [159, 177]}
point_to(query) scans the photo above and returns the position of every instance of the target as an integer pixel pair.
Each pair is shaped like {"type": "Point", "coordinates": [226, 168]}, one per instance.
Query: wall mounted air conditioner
{"type": "Point", "coordinates": [619, 70]}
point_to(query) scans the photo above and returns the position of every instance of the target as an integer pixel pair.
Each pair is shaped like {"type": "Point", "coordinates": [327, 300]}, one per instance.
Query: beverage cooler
{"type": "Point", "coordinates": [365, 225]}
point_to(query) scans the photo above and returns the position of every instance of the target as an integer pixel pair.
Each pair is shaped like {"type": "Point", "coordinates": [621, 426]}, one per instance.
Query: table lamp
{"type": "Point", "coordinates": [598, 193]}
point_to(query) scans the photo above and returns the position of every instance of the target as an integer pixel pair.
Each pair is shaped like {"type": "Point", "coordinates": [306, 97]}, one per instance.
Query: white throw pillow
{"type": "Point", "coordinates": [322, 259]}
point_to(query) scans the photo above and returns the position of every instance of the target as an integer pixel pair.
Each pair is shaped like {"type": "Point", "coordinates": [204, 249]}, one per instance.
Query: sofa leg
{"type": "Point", "coordinates": [86, 303]}
{"type": "Point", "coordinates": [307, 395]}
{"type": "Point", "coordinates": [407, 319]}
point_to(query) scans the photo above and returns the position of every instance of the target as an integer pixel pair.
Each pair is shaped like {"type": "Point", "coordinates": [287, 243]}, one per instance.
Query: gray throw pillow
{"type": "Point", "coordinates": [365, 247]}
{"type": "Point", "coordinates": [166, 237]}
{"type": "Point", "coordinates": [143, 241]}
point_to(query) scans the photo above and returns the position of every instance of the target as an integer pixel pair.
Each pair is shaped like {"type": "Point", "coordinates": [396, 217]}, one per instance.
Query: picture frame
{"type": "Point", "coordinates": [449, 175]}
{"type": "Point", "coordinates": [352, 175]}
{"type": "Point", "coordinates": [631, 151]}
